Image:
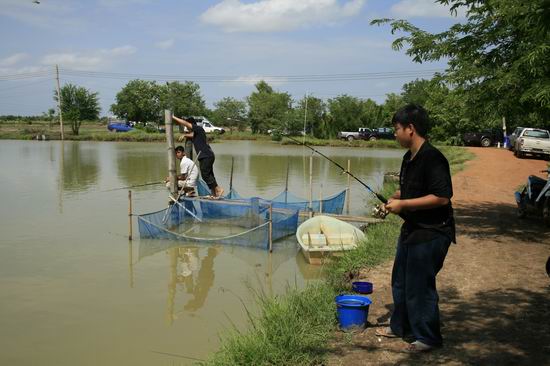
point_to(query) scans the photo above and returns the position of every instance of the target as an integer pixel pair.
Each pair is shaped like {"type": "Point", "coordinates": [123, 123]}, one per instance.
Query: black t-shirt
{"type": "Point", "coordinates": [199, 142]}
{"type": "Point", "coordinates": [428, 173]}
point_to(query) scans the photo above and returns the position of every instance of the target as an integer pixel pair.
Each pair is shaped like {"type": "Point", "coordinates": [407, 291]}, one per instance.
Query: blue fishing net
{"type": "Point", "coordinates": [242, 222]}
{"type": "Point", "coordinates": [333, 204]}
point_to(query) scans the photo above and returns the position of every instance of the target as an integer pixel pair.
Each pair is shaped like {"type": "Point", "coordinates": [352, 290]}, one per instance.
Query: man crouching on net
{"type": "Point", "coordinates": [187, 179]}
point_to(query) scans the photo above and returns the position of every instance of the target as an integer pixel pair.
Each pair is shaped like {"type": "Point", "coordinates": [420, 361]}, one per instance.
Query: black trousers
{"type": "Point", "coordinates": [207, 172]}
{"type": "Point", "coordinates": [414, 291]}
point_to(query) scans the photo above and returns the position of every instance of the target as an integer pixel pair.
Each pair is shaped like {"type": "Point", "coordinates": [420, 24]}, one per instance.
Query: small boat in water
{"type": "Point", "coordinates": [323, 236]}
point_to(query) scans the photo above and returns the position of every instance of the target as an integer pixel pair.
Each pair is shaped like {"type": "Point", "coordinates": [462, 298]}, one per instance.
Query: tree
{"type": "Point", "coordinates": [268, 109]}
{"type": "Point", "coordinates": [231, 112]}
{"type": "Point", "coordinates": [345, 112]}
{"type": "Point", "coordinates": [498, 58]}
{"type": "Point", "coordinates": [184, 99]}
{"type": "Point", "coordinates": [139, 101]}
{"type": "Point", "coordinates": [316, 110]}
{"type": "Point", "coordinates": [78, 104]}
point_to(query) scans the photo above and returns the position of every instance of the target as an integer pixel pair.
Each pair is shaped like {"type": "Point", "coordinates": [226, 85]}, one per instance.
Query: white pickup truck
{"type": "Point", "coordinates": [208, 126]}
{"type": "Point", "coordinates": [350, 136]}
{"type": "Point", "coordinates": [534, 141]}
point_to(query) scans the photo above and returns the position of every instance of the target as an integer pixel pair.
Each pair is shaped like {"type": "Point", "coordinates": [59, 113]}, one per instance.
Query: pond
{"type": "Point", "coordinates": [75, 291]}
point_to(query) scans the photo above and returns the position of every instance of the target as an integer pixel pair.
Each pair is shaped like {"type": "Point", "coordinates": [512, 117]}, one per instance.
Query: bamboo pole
{"type": "Point", "coordinates": [171, 152]}
{"type": "Point", "coordinates": [131, 264]}
{"type": "Point", "coordinates": [311, 185]}
{"type": "Point", "coordinates": [59, 103]}
{"type": "Point", "coordinates": [270, 227]}
{"type": "Point", "coordinates": [231, 176]}
{"type": "Point", "coordinates": [130, 215]}
{"type": "Point", "coordinates": [321, 199]}
{"type": "Point", "coordinates": [286, 181]}
{"type": "Point", "coordinates": [349, 188]}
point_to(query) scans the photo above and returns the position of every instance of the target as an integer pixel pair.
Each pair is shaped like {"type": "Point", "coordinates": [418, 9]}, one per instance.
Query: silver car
{"type": "Point", "coordinates": [514, 136]}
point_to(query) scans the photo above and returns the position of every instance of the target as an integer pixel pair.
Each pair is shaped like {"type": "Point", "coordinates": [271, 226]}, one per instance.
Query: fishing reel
{"type": "Point", "coordinates": [379, 212]}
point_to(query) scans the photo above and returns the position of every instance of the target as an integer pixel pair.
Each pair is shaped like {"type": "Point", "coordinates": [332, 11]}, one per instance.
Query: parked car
{"type": "Point", "coordinates": [513, 137]}
{"type": "Point", "coordinates": [119, 126]}
{"type": "Point", "coordinates": [384, 133]}
{"type": "Point", "coordinates": [533, 141]}
{"type": "Point", "coordinates": [485, 138]}
{"type": "Point", "coordinates": [350, 136]}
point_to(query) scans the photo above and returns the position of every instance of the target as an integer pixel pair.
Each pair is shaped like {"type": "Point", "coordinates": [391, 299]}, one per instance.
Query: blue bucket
{"type": "Point", "coordinates": [362, 287]}
{"type": "Point", "coordinates": [352, 310]}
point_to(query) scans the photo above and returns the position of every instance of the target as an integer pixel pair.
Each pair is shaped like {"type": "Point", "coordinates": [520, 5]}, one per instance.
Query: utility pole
{"type": "Point", "coordinates": [305, 120]}
{"type": "Point", "coordinates": [59, 102]}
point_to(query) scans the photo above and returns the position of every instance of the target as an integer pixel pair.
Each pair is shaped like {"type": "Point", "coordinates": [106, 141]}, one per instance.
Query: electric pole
{"type": "Point", "coordinates": [59, 102]}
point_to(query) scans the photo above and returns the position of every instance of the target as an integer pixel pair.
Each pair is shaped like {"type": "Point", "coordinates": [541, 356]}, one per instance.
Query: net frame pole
{"type": "Point", "coordinates": [321, 199]}
{"type": "Point", "coordinates": [311, 186]}
{"type": "Point", "coordinates": [130, 215]}
{"type": "Point", "coordinates": [348, 193]}
{"type": "Point", "coordinates": [171, 152]}
{"type": "Point", "coordinates": [270, 227]}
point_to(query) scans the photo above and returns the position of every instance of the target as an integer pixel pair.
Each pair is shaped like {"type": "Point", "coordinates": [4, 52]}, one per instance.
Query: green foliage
{"type": "Point", "coordinates": [77, 104]}
{"type": "Point", "coordinates": [230, 112]}
{"type": "Point", "coordinates": [268, 110]}
{"type": "Point", "coordinates": [498, 58]}
{"type": "Point", "coordinates": [139, 100]}
{"type": "Point", "coordinates": [184, 99]}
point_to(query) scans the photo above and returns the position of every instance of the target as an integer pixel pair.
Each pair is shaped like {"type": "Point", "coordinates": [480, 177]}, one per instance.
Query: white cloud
{"type": "Point", "coordinates": [278, 15]}
{"type": "Point", "coordinates": [13, 59]}
{"type": "Point", "coordinates": [164, 45]}
{"type": "Point", "coordinates": [423, 9]}
{"type": "Point", "coordinates": [254, 79]}
{"type": "Point", "coordinates": [120, 51]}
{"type": "Point", "coordinates": [88, 61]}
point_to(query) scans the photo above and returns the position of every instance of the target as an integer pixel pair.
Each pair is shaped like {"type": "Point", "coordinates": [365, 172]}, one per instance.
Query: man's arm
{"type": "Point", "coordinates": [183, 122]}
{"type": "Point", "coordinates": [396, 206]}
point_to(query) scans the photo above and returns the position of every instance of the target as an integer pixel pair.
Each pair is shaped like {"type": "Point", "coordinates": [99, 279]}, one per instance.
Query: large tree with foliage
{"type": "Point", "coordinates": [498, 58]}
{"type": "Point", "coordinates": [230, 112]}
{"type": "Point", "coordinates": [139, 100]}
{"type": "Point", "coordinates": [184, 99]}
{"type": "Point", "coordinates": [345, 112]}
{"type": "Point", "coordinates": [78, 104]}
{"type": "Point", "coordinates": [268, 109]}
{"type": "Point", "coordinates": [313, 116]}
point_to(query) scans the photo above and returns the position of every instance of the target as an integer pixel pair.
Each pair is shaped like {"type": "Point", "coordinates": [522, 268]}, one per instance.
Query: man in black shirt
{"type": "Point", "coordinates": [424, 202]}
{"type": "Point", "coordinates": [206, 156]}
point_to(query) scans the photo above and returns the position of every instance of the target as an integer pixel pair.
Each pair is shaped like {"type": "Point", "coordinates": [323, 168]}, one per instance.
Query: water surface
{"type": "Point", "coordinates": [75, 291]}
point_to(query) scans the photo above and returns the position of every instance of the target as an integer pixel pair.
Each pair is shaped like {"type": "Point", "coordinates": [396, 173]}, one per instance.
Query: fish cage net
{"type": "Point", "coordinates": [243, 222]}
{"type": "Point", "coordinates": [333, 204]}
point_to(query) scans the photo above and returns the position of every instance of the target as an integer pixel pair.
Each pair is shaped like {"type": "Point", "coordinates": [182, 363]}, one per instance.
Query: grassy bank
{"type": "Point", "coordinates": [294, 329]}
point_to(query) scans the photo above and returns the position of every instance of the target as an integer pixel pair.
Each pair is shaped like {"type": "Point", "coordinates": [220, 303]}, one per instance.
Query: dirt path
{"type": "Point", "coordinates": [494, 291]}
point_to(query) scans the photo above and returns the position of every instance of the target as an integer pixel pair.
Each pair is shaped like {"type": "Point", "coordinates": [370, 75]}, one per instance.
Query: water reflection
{"type": "Point", "coordinates": [192, 270]}
{"type": "Point", "coordinates": [80, 166]}
{"type": "Point", "coordinates": [137, 167]}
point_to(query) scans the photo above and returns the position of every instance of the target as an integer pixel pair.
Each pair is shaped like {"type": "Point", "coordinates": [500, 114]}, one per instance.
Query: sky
{"type": "Point", "coordinates": [324, 48]}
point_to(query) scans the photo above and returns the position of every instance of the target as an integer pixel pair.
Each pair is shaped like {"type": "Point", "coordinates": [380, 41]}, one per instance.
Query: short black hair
{"type": "Point", "coordinates": [415, 115]}
{"type": "Point", "coordinates": [180, 148]}
{"type": "Point", "coordinates": [191, 120]}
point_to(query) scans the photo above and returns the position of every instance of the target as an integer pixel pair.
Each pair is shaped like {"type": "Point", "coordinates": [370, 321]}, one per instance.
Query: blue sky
{"type": "Point", "coordinates": [234, 42]}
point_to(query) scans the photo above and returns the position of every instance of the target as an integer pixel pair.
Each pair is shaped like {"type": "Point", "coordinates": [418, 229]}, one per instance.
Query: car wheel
{"type": "Point", "coordinates": [350, 138]}
{"type": "Point", "coordinates": [485, 142]}
{"type": "Point", "coordinates": [372, 138]}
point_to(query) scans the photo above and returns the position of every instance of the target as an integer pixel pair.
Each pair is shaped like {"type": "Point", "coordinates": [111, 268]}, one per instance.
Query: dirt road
{"type": "Point", "coordinates": [494, 291]}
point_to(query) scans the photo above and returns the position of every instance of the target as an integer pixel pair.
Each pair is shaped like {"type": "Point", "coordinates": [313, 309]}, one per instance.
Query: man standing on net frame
{"type": "Point", "coordinates": [206, 156]}
{"type": "Point", "coordinates": [424, 202]}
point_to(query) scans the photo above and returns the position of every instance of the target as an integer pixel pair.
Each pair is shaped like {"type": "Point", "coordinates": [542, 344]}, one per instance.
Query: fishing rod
{"type": "Point", "coordinates": [378, 195]}
{"type": "Point", "coordinates": [134, 186]}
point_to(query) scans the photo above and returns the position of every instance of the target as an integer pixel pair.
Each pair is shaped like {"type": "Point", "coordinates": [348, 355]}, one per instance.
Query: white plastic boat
{"type": "Point", "coordinates": [323, 236]}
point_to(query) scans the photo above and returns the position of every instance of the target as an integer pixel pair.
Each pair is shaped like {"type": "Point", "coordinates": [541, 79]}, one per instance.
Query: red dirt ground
{"type": "Point", "coordinates": [494, 291]}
